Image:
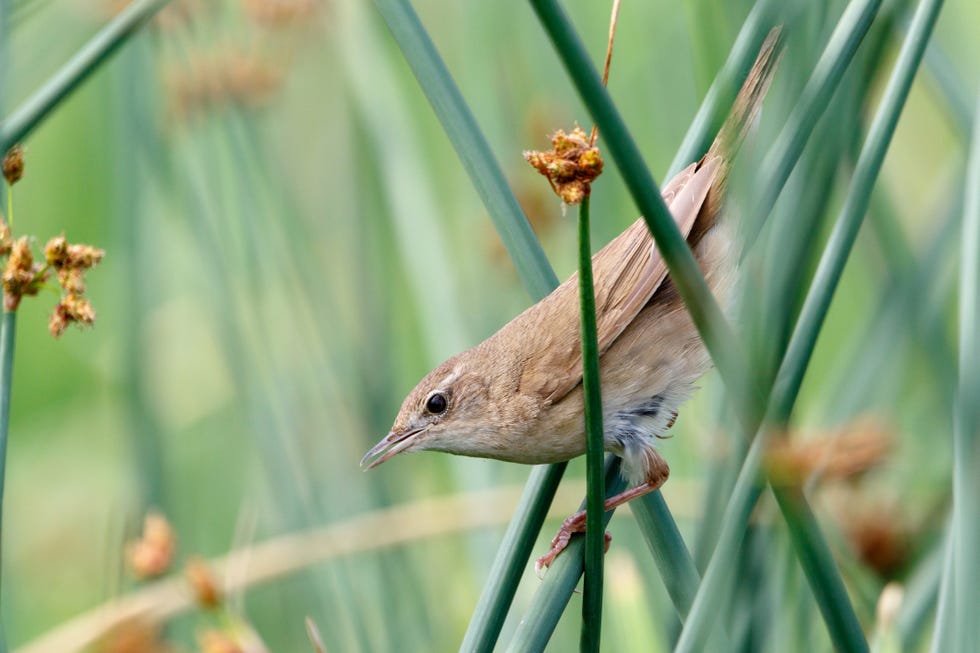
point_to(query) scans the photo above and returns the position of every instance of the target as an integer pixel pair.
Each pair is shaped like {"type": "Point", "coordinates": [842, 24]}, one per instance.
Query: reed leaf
{"type": "Point", "coordinates": [966, 426]}
{"type": "Point", "coordinates": [8, 331]}
{"type": "Point", "coordinates": [87, 60]}
{"type": "Point", "coordinates": [471, 146]}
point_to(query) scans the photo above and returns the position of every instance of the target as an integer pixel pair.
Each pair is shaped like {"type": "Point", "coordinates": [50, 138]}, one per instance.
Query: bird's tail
{"type": "Point", "coordinates": [744, 111]}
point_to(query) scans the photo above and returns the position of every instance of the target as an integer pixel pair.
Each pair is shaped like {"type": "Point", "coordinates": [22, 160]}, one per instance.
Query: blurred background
{"type": "Point", "coordinates": [291, 244]}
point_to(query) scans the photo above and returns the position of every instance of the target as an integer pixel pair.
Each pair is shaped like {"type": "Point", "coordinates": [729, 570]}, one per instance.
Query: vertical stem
{"type": "Point", "coordinates": [966, 424]}
{"type": "Point", "coordinates": [8, 328]}
{"type": "Point", "coordinates": [595, 486]}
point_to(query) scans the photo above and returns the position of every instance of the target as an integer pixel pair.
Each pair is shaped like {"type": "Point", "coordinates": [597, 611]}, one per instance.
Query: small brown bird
{"type": "Point", "coordinates": [518, 395]}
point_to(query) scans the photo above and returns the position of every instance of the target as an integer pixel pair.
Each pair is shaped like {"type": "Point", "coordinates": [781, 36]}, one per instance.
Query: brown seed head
{"type": "Point", "coordinates": [216, 641]}
{"type": "Point", "coordinates": [72, 280]}
{"type": "Point", "coordinates": [152, 554]}
{"type": "Point", "coordinates": [56, 252]}
{"type": "Point", "coordinates": [79, 309]}
{"type": "Point", "coordinates": [136, 635]}
{"type": "Point", "coordinates": [58, 322]}
{"type": "Point", "coordinates": [21, 276]}
{"type": "Point", "coordinates": [279, 13]}
{"type": "Point", "coordinates": [880, 533]}
{"type": "Point", "coordinates": [84, 256]}
{"type": "Point", "coordinates": [202, 582]}
{"type": "Point", "coordinates": [853, 449]}
{"type": "Point", "coordinates": [13, 164]}
{"type": "Point", "coordinates": [6, 240]}
{"type": "Point", "coordinates": [571, 166]}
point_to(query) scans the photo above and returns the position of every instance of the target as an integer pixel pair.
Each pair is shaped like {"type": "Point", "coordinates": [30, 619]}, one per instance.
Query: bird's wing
{"type": "Point", "coordinates": [626, 272]}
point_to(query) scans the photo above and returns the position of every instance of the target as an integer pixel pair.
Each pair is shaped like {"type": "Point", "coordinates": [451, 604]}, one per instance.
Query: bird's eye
{"type": "Point", "coordinates": [436, 403]}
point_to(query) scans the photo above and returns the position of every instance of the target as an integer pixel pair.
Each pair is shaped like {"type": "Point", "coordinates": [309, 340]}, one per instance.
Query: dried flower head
{"type": "Point", "coordinates": [201, 580]}
{"type": "Point", "coordinates": [571, 166]}
{"type": "Point", "coordinates": [217, 641]}
{"type": "Point", "coordinates": [72, 309]}
{"type": "Point", "coordinates": [6, 240]}
{"type": "Point", "coordinates": [21, 276]}
{"type": "Point", "coordinates": [152, 554]}
{"type": "Point", "coordinates": [215, 81]}
{"type": "Point", "coordinates": [61, 255]}
{"type": "Point", "coordinates": [849, 451]}
{"type": "Point", "coordinates": [13, 164]}
{"type": "Point", "coordinates": [279, 13]}
{"type": "Point", "coordinates": [71, 261]}
{"type": "Point", "coordinates": [135, 635]}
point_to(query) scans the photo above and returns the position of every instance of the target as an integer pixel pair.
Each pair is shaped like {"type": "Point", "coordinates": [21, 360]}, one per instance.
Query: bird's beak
{"type": "Point", "coordinates": [391, 444]}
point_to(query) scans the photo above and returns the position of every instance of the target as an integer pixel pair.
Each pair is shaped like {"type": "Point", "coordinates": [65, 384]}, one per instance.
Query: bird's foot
{"type": "Point", "coordinates": [576, 523]}
{"type": "Point", "coordinates": [572, 525]}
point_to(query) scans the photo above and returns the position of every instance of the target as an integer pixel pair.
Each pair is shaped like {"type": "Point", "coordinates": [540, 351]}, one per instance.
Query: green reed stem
{"type": "Point", "coordinates": [8, 329]}
{"type": "Point", "coordinates": [471, 146]}
{"type": "Point", "coordinates": [554, 592]}
{"type": "Point", "coordinates": [595, 490]}
{"type": "Point", "coordinates": [966, 427]}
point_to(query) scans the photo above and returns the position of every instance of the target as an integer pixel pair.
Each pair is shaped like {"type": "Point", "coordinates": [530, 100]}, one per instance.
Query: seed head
{"type": "Point", "coordinates": [6, 240]}
{"type": "Point", "coordinates": [152, 554]}
{"type": "Point", "coordinates": [21, 276]}
{"type": "Point", "coordinates": [13, 164]}
{"type": "Point", "coordinates": [216, 641]}
{"type": "Point", "coordinates": [202, 582]}
{"type": "Point", "coordinates": [571, 166]}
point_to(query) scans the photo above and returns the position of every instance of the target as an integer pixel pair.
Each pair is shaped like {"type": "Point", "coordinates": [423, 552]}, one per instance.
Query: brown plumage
{"type": "Point", "coordinates": [517, 396]}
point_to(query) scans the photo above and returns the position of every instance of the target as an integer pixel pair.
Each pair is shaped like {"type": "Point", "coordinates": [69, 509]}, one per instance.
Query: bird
{"type": "Point", "coordinates": [517, 396]}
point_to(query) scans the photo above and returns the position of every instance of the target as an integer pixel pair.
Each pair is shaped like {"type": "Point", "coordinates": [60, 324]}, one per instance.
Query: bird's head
{"type": "Point", "coordinates": [449, 410]}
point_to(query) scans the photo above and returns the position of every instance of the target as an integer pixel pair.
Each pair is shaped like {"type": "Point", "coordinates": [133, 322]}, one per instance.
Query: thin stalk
{"type": "Point", "coordinates": [966, 441]}
{"type": "Point", "coordinates": [942, 630]}
{"type": "Point", "coordinates": [595, 495]}
{"type": "Point", "coordinates": [82, 64]}
{"type": "Point", "coordinates": [8, 329]}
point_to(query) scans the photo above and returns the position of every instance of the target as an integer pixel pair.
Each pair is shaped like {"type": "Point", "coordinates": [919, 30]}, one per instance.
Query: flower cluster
{"type": "Point", "coordinates": [152, 554]}
{"type": "Point", "coordinates": [21, 276]}
{"type": "Point", "coordinates": [70, 262]}
{"type": "Point", "coordinates": [13, 164]}
{"type": "Point", "coordinates": [571, 166]}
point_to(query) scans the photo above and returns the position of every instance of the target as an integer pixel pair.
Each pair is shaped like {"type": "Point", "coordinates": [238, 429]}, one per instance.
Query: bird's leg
{"type": "Point", "coordinates": [656, 477]}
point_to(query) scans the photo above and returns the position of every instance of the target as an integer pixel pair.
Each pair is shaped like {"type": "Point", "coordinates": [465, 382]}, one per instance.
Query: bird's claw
{"type": "Point", "coordinates": [572, 525]}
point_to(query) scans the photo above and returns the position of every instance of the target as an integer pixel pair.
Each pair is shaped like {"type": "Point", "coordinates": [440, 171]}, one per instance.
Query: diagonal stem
{"type": "Point", "coordinates": [86, 61]}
